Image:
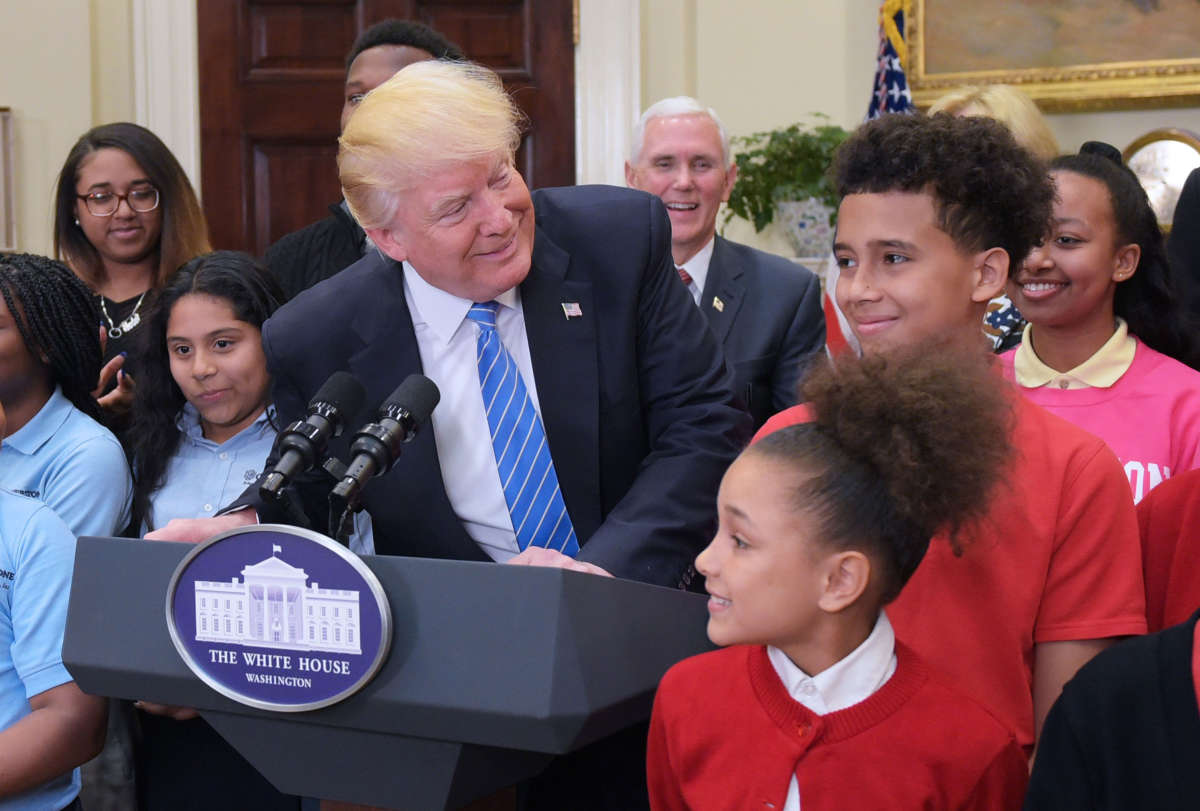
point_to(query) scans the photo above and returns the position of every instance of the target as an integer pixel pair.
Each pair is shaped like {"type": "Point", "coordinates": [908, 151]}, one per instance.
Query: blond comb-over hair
{"type": "Point", "coordinates": [428, 116]}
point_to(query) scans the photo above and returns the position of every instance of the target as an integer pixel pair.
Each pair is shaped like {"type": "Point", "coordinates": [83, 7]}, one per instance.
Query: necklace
{"type": "Point", "coordinates": [117, 330]}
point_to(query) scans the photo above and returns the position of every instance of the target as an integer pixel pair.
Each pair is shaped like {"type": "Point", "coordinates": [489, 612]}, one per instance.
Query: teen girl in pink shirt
{"type": "Point", "coordinates": [1107, 346]}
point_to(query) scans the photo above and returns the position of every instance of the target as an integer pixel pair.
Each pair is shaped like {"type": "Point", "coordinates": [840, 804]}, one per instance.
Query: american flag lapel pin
{"type": "Point", "coordinates": [571, 310]}
{"type": "Point", "coordinates": [718, 305]}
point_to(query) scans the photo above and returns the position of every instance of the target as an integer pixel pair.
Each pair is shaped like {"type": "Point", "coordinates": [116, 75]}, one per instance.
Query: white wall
{"type": "Point", "coordinates": [64, 67]}
{"type": "Point", "coordinates": [766, 63]}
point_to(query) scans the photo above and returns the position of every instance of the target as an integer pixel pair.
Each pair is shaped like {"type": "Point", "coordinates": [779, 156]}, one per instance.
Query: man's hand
{"type": "Point", "coordinates": [197, 530]}
{"type": "Point", "coordinates": [540, 556]}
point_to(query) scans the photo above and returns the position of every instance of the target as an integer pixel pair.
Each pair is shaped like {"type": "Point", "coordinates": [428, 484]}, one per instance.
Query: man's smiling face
{"type": "Point", "coordinates": [682, 162]}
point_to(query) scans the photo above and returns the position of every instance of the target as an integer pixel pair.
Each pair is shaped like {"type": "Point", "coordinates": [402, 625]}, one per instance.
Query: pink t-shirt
{"type": "Point", "coordinates": [1150, 417]}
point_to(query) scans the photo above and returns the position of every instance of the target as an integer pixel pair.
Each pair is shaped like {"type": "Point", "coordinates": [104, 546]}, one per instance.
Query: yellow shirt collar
{"type": "Point", "coordinates": [1100, 371]}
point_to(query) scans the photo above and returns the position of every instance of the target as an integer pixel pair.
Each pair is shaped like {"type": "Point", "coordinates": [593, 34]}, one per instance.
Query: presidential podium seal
{"type": "Point", "coordinates": [279, 618]}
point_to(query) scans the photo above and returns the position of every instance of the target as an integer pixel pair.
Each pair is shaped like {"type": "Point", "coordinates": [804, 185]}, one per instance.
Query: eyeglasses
{"type": "Point", "coordinates": [106, 203]}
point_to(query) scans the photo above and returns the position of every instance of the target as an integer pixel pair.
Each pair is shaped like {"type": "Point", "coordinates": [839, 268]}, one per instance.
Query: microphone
{"type": "Point", "coordinates": [377, 444]}
{"type": "Point", "coordinates": [302, 442]}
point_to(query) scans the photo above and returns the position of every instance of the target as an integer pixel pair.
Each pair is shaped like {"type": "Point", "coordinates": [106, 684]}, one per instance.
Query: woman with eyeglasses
{"type": "Point", "coordinates": [125, 217]}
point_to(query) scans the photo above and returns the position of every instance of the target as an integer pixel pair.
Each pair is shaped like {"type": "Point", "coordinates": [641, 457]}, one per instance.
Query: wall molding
{"type": "Point", "coordinates": [608, 88]}
{"type": "Point", "coordinates": [607, 83]}
{"type": "Point", "coordinates": [166, 77]}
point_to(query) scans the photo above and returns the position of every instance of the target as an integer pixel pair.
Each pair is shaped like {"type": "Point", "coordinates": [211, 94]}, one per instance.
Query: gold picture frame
{"type": "Point", "coordinates": [1065, 88]}
{"type": "Point", "coordinates": [1162, 159]}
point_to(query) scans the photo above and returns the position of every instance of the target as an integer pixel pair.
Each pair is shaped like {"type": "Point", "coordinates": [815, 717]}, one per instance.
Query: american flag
{"type": "Point", "coordinates": [891, 94]}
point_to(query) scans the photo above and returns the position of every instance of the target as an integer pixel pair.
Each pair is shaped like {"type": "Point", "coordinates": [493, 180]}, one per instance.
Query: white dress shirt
{"type": "Point", "coordinates": [446, 340]}
{"type": "Point", "coordinates": [697, 268]}
{"type": "Point", "coordinates": [850, 681]}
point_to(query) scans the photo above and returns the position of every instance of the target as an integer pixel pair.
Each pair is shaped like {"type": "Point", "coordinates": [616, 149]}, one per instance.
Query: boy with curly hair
{"type": "Point", "coordinates": [935, 213]}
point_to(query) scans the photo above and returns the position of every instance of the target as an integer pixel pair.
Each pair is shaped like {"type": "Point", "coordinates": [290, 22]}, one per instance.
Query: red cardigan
{"type": "Point", "coordinates": [726, 734]}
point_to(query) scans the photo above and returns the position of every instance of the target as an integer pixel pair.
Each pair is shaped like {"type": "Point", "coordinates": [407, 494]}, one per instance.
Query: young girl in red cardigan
{"type": "Point", "coordinates": [815, 704]}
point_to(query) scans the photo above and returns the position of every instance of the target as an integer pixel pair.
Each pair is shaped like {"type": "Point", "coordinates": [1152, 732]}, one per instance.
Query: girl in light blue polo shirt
{"type": "Point", "coordinates": [202, 428]}
{"type": "Point", "coordinates": [56, 450]}
{"type": "Point", "coordinates": [49, 725]}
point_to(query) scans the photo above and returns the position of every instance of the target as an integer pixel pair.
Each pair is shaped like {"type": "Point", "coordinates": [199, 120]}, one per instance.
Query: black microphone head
{"type": "Point", "coordinates": [342, 392]}
{"type": "Point", "coordinates": [418, 395]}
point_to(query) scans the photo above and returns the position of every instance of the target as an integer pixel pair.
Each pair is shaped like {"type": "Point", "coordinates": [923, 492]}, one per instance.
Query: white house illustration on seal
{"type": "Point", "coordinates": [275, 607]}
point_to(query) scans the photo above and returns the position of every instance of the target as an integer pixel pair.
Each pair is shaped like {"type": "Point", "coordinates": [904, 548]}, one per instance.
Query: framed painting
{"type": "Point", "coordinates": [1068, 55]}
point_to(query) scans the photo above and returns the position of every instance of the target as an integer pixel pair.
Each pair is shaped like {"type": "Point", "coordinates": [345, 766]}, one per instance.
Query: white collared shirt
{"type": "Point", "coordinates": [697, 268]}
{"type": "Point", "coordinates": [446, 340]}
{"type": "Point", "coordinates": [848, 682]}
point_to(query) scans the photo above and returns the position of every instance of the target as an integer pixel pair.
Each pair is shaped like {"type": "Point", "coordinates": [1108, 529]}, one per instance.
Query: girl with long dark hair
{"type": "Point", "coordinates": [201, 425]}
{"type": "Point", "coordinates": [201, 432]}
{"type": "Point", "coordinates": [1108, 346]}
{"type": "Point", "coordinates": [125, 217]}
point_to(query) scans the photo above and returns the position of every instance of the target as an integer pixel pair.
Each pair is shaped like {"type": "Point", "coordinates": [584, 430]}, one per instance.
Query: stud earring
{"type": "Point", "coordinates": [77, 221]}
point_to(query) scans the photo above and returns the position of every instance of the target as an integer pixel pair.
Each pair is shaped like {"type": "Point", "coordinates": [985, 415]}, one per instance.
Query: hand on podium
{"type": "Point", "coordinates": [197, 530]}
{"type": "Point", "coordinates": [168, 710]}
{"type": "Point", "coordinates": [540, 556]}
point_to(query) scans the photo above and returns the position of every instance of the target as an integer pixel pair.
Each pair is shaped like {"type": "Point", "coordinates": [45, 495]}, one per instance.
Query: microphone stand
{"type": "Point", "coordinates": [341, 510]}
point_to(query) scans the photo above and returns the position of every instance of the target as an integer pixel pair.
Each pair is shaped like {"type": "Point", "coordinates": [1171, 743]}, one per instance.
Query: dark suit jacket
{"type": "Point", "coordinates": [637, 402]}
{"type": "Point", "coordinates": [1183, 246]}
{"type": "Point", "coordinates": [766, 312]}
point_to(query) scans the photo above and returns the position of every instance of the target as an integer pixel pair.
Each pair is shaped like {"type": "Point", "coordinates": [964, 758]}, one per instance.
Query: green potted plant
{"type": "Point", "coordinates": [782, 173]}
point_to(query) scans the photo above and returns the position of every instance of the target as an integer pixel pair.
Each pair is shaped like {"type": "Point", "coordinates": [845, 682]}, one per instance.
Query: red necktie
{"type": "Point", "coordinates": [687, 277]}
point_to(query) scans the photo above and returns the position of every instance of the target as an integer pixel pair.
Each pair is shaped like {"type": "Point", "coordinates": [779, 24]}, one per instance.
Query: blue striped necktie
{"type": "Point", "coordinates": [535, 502]}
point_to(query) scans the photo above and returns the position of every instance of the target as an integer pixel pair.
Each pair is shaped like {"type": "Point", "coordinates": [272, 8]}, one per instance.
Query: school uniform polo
{"type": "Point", "coordinates": [203, 476]}
{"type": "Point", "coordinates": [73, 464]}
{"type": "Point", "coordinates": [1101, 370]}
{"type": "Point", "coordinates": [1142, 403]}
{"type": "Point", "coordinates": [37, 553]}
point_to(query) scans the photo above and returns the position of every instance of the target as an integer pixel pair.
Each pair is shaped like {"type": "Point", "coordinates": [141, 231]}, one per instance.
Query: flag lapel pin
{"type": "Point", "coordinates": [571, 310]}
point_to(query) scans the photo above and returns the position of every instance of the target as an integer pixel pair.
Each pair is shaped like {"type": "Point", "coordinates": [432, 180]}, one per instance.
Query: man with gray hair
{"type": "Point", "coordinates": [765, 310]}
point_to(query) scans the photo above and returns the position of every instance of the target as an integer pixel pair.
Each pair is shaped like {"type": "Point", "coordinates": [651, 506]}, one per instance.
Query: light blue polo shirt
{"type": "Point", "coordinates": [72, 463]}
{"type": "Point", "coordinates": [37, 553]}
{"type": "Point", "coordinates": [202, 476]}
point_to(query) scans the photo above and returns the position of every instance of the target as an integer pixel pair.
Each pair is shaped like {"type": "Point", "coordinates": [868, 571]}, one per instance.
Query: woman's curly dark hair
{"type": "Point", "coordinates": [59, 321]}
{"type": "Point", "coordinates": [904, 444]}
{"type": "Point", "coordinates": [988, 191]}
{"type": "Point", "coordinates": [1149, 300]}
{"type": "Point", "coordinates": [252, 293]}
